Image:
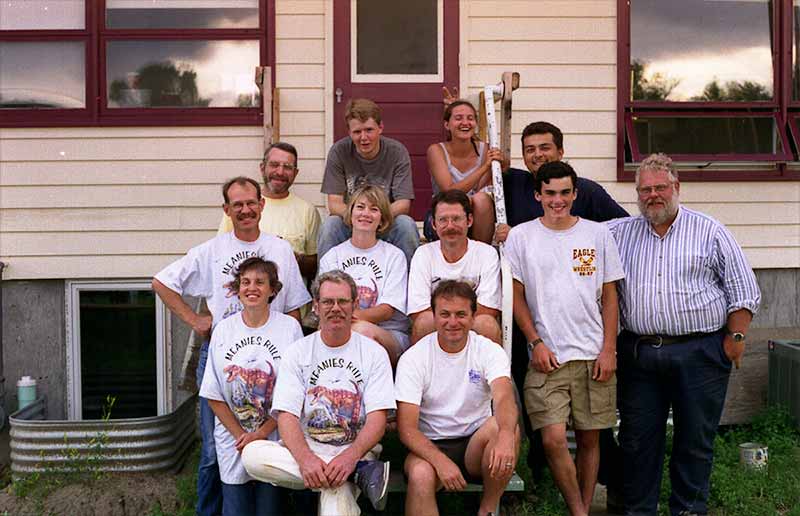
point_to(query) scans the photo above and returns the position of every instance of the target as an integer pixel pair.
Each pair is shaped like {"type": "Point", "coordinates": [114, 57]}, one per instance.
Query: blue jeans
{"type": "Point", "coordinates": [403, 234]}
{"type": "Point", "coordinates": [253, 498]}
{"type": "Point", "coordinates": [209, 485]}
{"type": "Point", "coordinates": [692, 378]}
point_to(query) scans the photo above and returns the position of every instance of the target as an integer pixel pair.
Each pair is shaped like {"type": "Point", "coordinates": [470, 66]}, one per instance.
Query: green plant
{"type": "Point", "coordinates": [77, 468]}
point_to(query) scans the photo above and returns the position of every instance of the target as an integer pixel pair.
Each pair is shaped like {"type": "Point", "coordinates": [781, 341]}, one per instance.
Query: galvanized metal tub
{"type": "Point", "coordinates": [158, 443]}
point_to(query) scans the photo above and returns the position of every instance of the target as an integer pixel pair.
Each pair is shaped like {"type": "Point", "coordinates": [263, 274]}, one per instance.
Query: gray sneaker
{"type": "Point", "coordinates": [372, 477]}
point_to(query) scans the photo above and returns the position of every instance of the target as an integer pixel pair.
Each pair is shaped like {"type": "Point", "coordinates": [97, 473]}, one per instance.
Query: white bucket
{"type": "Point", "coordinates": [26, 391]}
{"type": "Point", "coordinates": [753, 455]}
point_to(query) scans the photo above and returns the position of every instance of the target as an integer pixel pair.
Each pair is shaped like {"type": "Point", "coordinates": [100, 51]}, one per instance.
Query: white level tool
{"type": "Point", "coordinates": [503, 90]}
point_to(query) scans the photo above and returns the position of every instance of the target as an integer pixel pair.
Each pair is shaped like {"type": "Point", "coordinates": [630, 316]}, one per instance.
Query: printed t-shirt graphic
{"type": "Point", "coordinates": [207, 271]}
{"type": "Point", "coordinates": [242, 371]}
{"type": "Point", "coordinates": [332, 389]}
{"type": "Point", "coordinates": [380, 275]}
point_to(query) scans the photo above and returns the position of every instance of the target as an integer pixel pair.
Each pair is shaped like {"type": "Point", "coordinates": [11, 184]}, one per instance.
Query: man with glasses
{"type": "Point", "coordinates": [454, 256]}
{"type": "Point", "coordinates": [686, 303]}
{"type": "Point", "coordinates": [330, 401]}
{"type": "Point", "coordinates": [286, 215]}
{"type": "Point", "coordinates": [207, 271]}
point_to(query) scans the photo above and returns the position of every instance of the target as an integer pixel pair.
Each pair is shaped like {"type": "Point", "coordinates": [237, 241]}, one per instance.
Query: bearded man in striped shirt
{"type": "Point", "coordinates": [686, 303]}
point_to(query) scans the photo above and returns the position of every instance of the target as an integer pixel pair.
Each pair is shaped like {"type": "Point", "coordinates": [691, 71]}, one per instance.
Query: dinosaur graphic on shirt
{"type": "Point", "coordinates": [251, 393]}
{"type": "Point", "coordinates": [335, 415]}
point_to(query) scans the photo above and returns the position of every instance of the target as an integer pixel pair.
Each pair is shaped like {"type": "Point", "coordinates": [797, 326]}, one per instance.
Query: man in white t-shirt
{"type": "Point", "coordinates": [565, 270]}
{"type": "Point", "coordinates": [446, 386]}
{"type": "Point", "coordinates": [454, 256]}
{"type": "Point", "coordinates": [330, 401]}
{"type": "Point", "coordinates": [206, 271]}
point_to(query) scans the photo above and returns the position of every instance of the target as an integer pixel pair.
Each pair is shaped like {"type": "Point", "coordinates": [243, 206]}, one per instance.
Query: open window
{"type": "Point", "coordinates": [709, 83]}
{"type": "Point", "coordinates": [128, 62]}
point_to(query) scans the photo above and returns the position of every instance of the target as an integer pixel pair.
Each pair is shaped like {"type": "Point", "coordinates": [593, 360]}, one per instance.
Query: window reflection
{"type": "Point", "coordinates": [181, 14]}
{"type": "Point", "coordinates": [42, 75]}
{"type": "Point", "coordinates": [42, 14]}
{"type": "Point", "coordinates": [795, 51]}
{"type": "Point", "coordinates": [701, 50]}
{"type": "Point", "coordinates": [717, 135]}
{"type": "Point", "coordinates": [397, 37]}
{"type": "Point", "coordinates": [217, 73]}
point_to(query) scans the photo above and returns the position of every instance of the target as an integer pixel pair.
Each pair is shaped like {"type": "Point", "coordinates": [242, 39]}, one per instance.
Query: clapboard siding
{"type": "Point", "coordinates": [122, 202]}
{"type": "Point", "coordinates": [105, 202]}
{"type": "Point", "coordinates": [565, 53]}
{"type": "Point", "coordinates": [513, 9]}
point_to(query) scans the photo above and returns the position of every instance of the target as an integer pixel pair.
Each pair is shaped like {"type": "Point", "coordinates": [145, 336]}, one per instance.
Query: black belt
{"type": "Point", "coordinates": [656, 341]}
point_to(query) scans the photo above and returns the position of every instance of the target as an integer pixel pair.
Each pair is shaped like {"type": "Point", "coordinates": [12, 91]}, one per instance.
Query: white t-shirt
{"type": "Point", "coordinates": [207, 271]}
{"type": "Point", "coordinates": [380, 273]}
{"type": "Point", "coordinates": [479, 266]}
{"type": "Point", "coordinates": [241, 371]}
{"type": "Point", "coordinates": [452, 389]}
{"type": "Point", "coordinates": [331, 390]}
{"type": "Point", "coordinates": [563, 273]}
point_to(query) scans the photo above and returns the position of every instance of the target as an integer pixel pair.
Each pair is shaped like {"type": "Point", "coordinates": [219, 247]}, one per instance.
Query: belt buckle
{"type": "Point", "coordinates": [659, 344]}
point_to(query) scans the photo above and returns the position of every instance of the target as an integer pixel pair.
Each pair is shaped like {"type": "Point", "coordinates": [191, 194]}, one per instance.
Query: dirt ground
{"type": "Point", "coordinates": [119, 494]}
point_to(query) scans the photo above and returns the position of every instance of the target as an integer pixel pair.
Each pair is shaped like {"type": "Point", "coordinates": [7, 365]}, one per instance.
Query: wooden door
{"type": "Point", "coordinates": [399, 54]}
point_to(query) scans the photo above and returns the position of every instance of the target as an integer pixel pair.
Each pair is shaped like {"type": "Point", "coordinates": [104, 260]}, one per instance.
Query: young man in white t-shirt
{"type": "Point", "coordinates": [454, 256]}
{"type": "Point", "coordinates": [331, 398]}
{"type": "Point", "coordinates": [207, 271]}
{"type": "Point", "coordinates": [446, 386]}
{"type": "Point", "coordinates": [565, 270]}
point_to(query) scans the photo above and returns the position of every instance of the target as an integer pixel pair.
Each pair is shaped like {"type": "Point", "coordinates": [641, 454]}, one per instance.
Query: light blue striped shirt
{"type": "Point", "coordinates": [686, 282]}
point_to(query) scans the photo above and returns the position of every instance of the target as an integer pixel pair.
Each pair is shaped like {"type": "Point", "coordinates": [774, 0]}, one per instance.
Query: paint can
{"type": "Point", "coordinates": [753, 455]}
{"type": "Point", "coordinates": [26, 391]}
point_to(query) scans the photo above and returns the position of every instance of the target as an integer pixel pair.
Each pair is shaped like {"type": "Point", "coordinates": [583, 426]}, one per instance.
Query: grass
{"type": "Point", "coordinates": [735, 491]}
{"type": "Point", "coordinates": [186, 485]}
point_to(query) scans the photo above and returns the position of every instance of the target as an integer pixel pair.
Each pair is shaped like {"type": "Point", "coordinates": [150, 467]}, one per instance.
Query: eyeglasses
{"type": "Point", "coordinates": [328, 302]}
{"type": "Point", "coordinates": [239, 206]}
{"type": "Point", "coordinates": [659, 189]}
{"type": "Point", "coordinates": [455, 219]}
{"type": "Point", "coordinates": [285, 166]}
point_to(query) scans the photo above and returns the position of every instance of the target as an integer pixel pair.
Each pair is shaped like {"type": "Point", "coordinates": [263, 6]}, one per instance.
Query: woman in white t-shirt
{"type": "Point", "coordinates": [239, 380]}
{"type": "Point", "coordinates": [378, 268]}
{"type": "Point", "coordinates": [463, 163]}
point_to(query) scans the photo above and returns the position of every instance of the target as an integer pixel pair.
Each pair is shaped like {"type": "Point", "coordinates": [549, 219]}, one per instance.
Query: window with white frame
{"type": "Point", "coordinates": [116, 349]}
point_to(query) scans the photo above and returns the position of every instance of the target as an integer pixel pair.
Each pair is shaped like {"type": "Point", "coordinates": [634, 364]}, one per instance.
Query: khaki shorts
{"type": "Point", "coordinates": [551, 398]}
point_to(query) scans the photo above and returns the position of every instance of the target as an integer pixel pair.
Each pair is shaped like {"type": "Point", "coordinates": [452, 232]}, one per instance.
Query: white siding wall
{"type": "Point", "coordinates": [124, 202]}
{"type": "Point", "coordinates": [565, 52]}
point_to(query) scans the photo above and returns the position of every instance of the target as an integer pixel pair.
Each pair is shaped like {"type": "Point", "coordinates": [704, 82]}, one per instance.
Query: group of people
{"type": "Point", "coordinates": [410, 333]}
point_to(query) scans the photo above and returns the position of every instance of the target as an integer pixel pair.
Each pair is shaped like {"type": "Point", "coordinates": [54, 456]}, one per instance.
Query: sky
{"type": "Point", "coordinates": [697, 41]}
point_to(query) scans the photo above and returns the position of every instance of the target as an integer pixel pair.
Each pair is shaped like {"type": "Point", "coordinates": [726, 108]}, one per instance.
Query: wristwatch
{"type": "Point", "coordinates": [737, 335]}
{"type": "Point", "coordinates": [532, 344]}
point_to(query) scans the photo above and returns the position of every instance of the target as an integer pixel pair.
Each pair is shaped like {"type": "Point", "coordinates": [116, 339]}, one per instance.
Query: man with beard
{"type": "Point", "coordinates": [454, 256]}
{"type": "Point", "coordinates": [330, 401]}
{"type": "Point", "coordinates": [686, 303]}
{"type": "Point", "coordinates": [207, 271]}
{"type": "Point", "coordinates": [286, 215]}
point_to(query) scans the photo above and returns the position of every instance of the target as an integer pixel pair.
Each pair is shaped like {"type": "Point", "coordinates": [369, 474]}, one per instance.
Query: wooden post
{"type": "Point", "coordinates": [510, 83]}
{"type": "Point", "coordinates": [263, 80]}
{"type": "Point", "coordinates": [482, 118]}
{"type": "Point", "coordinates": [276, 116]}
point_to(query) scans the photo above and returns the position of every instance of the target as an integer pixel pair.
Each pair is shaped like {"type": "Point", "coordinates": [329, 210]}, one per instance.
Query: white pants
{"type": "Point", "coordinates": [272, 462]}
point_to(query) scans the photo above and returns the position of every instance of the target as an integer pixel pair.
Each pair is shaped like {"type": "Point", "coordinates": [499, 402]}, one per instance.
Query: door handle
{"type": "Point", "coordinates": [338, 94]}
